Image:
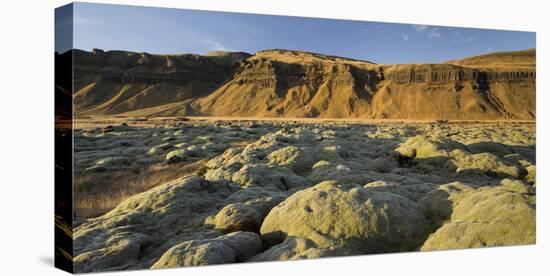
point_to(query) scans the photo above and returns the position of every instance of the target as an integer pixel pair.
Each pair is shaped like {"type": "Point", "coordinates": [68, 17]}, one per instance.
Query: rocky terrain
{"type": "Point", "coordinates": [287, 83]}
{"type": "Point", "coordinates": [286, 190]}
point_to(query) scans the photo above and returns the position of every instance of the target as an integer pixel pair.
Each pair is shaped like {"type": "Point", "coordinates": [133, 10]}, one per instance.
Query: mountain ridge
{"type": "Point", "coordinates": [291, 83]}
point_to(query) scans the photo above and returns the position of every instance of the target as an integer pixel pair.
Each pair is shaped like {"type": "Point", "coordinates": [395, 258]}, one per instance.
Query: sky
{"type": "Point", "coordinates": [176, 31]}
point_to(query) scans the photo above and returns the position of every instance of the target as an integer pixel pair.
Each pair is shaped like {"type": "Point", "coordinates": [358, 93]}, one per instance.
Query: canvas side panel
{"type": "Point", "coordinates": [64, 138]}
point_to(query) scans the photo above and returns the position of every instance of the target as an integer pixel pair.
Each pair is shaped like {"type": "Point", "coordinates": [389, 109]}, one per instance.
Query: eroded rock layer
{"type": "Point", "coordinates": [285, 83]}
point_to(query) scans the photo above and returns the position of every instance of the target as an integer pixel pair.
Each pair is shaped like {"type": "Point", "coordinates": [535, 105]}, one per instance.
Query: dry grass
{"type": "Point", "coordinates": [97, 193]}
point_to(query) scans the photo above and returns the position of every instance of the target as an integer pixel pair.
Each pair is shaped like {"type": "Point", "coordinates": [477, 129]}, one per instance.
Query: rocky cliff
{"type": "Point", "coordinates": [285, 83]}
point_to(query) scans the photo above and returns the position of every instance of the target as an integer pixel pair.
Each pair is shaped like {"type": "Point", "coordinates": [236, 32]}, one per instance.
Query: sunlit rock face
{"type": "Point", "coordinates": [287, 83]}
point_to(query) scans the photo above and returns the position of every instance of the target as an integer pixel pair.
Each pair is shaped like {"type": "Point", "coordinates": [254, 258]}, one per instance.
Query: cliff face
{"type": "Point", "coordinates": [270, 88]}
{"type": "Point", "coordinates": [282, 83]}
{"type": "Point", "coordinates": [116, 82]}
{"type": "Point", "coordinates": [446, 91]}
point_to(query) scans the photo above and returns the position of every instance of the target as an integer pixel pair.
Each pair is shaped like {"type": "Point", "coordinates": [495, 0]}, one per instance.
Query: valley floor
{"type": "Point", "coordinates": [169, 192]}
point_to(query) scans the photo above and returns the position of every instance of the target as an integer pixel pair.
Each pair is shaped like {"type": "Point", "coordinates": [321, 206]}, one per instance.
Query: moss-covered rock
{"type": "Point", "coordinates": [487, 216]}
{"type": "Point", "coordinates": [531, 176]}
{"type": "Point", "coordinates": [486, 163]}
{"type": "Point", "coordinates": [237, 217]}
{"type": "Point", "coordinates": [147, 224]}
{"type": "Point", "coordinates": [421, 146]}
{"type": "Point", "coordinates": [347, 216]}
{"type": "Point", "coordinates": [292, 157]}
{"type": "Point", "coordinates": [234, 247]}
{"type": "Point", "coordinates": [272, 177]}
{"type": "Point", "coordinates": [176, 156]}
{"type": "Point", "coordinates": [293, 248]}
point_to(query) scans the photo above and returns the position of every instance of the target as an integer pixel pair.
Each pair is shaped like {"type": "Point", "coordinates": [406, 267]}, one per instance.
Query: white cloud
{"type": "Point", "coordinates": [193, 37]}
{"type": "Point", "coordinates": [434, 33]}
{"type": "Point", "coordinates": [420, 28]}
{"type": "Point", "coordinates": [213, 44]}
{"type": "Point", "coordinates": [404, 36]}
{"type": "Point", "coordinates": [458, 37]}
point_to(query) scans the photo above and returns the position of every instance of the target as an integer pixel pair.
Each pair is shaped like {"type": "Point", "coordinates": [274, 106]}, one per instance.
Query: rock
{"type": "Point", "coordinates": [121, 249]}
{"type": "Point", "coordinates": [180, 155]}
{"type": "Point", "coordinates": [489, 147]}
{"type": "Point", "coordinates": [321, 164]}
{"type": "Point", "coordinates": [381, 164]}
{"type": "Point", "coordinates": [176, 156]}
{"type": "Point", "coordinates": [120, 128]}
{"type": "Point", "coordinates": [419, 146]}
{"type": "Point", "coordinates": [516, 159]}
{"type": "Point", "coordinates": [158, 214]}
{"type": "Point", "coordinates": [333, 81]}
{"type": "Point", "coordinates": [94, 168]}
{"type": "Point", "coordinates": [517, 186]}
{"type": "Point", "coordinates": [483, 162]}
{"type": "Point", "coordinates": [292, 157]}
{"type": "Point", "coordinates": [394, 188]}
{"type": "Point", "coordinates": [531, 176]}
{"type": "Point", "coordinates": [365, 201]}
{"type": "Point", "coordinates": [294, 249]}
{"type": "Point", "coordinates": [333, 153]}
{"type": "Point", "coordinates": [438, 204]}
{"type": "Point", "coordinates": [346, 172]}
{"type": "Point", "coordinates": [334, 215]}
{"type": "Point", "coordinates": [237, 217]}
{"type": "Point", "coordinates": [260, 199]}
{"type": "Point", "coordinates": [159, 149]}
{"type": "Point", "coordinates": [487, 216]}
{"type": "Point", "coordinates": [109, 163]}
{"type": "Point", "coordinates": [279, 178]}
{"type": "Point", "coordinates": [234, 247]}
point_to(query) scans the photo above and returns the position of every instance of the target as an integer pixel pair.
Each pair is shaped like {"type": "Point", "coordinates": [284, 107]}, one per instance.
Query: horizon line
{"type": "Point", "coordinates": [280, 49]}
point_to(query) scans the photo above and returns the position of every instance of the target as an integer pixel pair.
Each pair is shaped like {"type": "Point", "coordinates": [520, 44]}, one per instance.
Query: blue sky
{"type": "Point", "coordinates": [172, 31]}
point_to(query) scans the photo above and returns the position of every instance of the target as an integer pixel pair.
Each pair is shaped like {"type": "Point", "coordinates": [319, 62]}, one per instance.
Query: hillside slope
{"type": "Point", "coordinates": [286, 83]}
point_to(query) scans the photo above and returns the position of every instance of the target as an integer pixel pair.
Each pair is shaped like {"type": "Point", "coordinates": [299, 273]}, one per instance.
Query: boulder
{"type": "Point", "coordinates": [120, 252]}
{"type": "Point", "coordinates": [231, 248]}
{"type": "Point", "coordinates": [346, 172]}
{"type": "Point", "coordinates": [260, 199]}
{"type": "Point", "coordinates": [292, 157]}
{"type": "Point", "coordinates": [149, 223]}
{"type": "Point", "coordinates": [176, 156]}
{"type": "Point", "coordinates": [159, 149]}
{"type": "Point", "coordinates": [109, 163]}
{"type": "Point", "coordinates": [421, 147]}
{"type": "Point", "coordinates": [487, 216]}
{"type": "Point", "coordinates": [395, 188]}
{"type": "Point", "coordinates": [531, 176]}
{"type": "Point", "coordinates": [486, 163]}
{"type": "Point", "coordinates": [293, 248]}
{"type": "Point", "coordinates": [489, 147]}
{"type": "Point", "coordinates": [185, 154]}
{"type": "Point", "coordinates": [517, 186]}
{"type": "Point", "coordinates": [237, 217]}
{"type": "Point", "coordinates": [334, 215]}
{"type": "Point", "coordinates": [272, 177]}
{"type": "Point", "coordinates": [382, 164]}
{"type": "Point", "coordinates": [437, 205]}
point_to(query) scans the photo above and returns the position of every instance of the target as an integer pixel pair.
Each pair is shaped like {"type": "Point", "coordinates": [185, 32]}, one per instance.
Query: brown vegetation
{"type": "Point", "coordinates": [96, 193]}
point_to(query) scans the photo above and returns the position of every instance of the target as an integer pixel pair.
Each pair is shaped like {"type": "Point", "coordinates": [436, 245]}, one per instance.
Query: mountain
{"type": "Point", "coordinates": [287, 83]}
